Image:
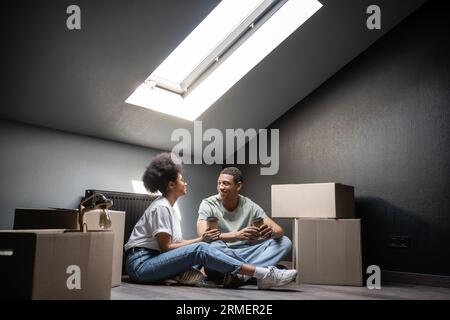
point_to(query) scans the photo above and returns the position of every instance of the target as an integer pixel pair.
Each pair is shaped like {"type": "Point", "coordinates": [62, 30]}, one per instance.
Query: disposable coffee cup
{"type": "Point", "coordinates": [212, 222]}
{"type": "Point", "coordinates": [258, 222]}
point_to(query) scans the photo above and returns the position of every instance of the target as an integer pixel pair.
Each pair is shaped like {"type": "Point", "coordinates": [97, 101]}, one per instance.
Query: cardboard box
{"type": "Point", "coordinates": [33, 218]}
{"type": "Point", "coordinates": [328, 251]}
{"type": "Point", "coordinates": [313, 200]}
{"type": "Point", "coordinates": [118, 227]}
{"type": "Point", "coordinates": [68, 219]}
{"type": "Point", "coordinates": [54, 264]}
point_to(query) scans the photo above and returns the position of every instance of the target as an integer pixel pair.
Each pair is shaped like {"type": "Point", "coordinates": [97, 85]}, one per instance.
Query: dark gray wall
{"type": "Point", "coordinates": [47, 168]}
{"type": "Point", "coordinates": [381, 124]}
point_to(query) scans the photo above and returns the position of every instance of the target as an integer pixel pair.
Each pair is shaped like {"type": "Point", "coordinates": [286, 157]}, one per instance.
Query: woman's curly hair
{"type": "Point", "coordinates": [164, 168]}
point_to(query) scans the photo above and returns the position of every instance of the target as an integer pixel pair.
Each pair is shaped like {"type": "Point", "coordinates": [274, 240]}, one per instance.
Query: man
{"type": "Point", "coordinates": [264, 246]}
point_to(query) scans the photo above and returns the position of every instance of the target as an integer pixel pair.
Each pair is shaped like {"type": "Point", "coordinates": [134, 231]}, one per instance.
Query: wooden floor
{"type": "Point", "coordinates": [130, 291]}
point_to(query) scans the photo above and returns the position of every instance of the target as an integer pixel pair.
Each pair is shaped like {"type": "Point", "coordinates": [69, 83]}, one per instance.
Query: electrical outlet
{"type": "Point", "coordinates": [403, 242]}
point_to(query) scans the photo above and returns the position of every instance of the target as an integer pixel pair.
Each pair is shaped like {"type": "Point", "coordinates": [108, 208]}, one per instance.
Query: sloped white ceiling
{"type": "Point", "coordinates": [77, 81]}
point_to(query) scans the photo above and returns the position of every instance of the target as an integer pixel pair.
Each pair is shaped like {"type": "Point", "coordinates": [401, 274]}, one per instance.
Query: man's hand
{"type": "Point", "coordinates": [265, 232]}
{"type": "Point", "coordinates": [249, 233]}
{"type": "Point", "coordinates": [210, 235]}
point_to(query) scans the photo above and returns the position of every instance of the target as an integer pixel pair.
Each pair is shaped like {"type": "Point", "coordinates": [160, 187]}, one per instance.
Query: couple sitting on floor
{"type": "Point", "coordinates": [234, 252]}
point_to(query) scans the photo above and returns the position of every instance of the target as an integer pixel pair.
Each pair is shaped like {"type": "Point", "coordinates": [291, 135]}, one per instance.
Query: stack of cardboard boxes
{"type": "Point", "coordinates": [326, 236]}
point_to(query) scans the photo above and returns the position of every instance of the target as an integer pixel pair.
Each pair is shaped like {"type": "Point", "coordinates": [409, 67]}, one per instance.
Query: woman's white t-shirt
{"type": "Point", "coordinates": [158, 217]}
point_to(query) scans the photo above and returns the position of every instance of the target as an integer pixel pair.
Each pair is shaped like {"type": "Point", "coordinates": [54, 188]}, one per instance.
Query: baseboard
{"type": "Point", "coordinates": [415, 278]}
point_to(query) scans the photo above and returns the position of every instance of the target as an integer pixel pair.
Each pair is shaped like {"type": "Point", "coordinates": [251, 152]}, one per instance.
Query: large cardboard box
{"type": "Point", "coordinates": [328, 251]}
{"type": "Point", "coordinates": [54, 264]}
{"type": "Point", "coordinates": [313, 200]}
{"type": "Point", "coordinates": [68, 219]}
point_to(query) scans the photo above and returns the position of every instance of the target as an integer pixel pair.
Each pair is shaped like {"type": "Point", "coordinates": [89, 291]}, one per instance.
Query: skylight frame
{"type": "Point", "coordinates": [196, 64]}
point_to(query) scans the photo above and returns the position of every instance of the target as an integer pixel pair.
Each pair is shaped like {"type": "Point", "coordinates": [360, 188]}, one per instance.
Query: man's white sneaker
{"type": "Point", "coordinates": [190, 277]}
{"type": "Point", "coordinates": [277, 278]}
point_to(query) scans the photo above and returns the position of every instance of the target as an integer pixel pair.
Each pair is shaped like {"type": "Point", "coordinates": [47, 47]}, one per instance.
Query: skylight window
{"type": "Point", "coordinates": [224, 47]}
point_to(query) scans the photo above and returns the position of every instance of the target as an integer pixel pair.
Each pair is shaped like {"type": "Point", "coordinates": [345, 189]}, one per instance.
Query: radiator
{"type": "Point", "coordinates": [133, 204]}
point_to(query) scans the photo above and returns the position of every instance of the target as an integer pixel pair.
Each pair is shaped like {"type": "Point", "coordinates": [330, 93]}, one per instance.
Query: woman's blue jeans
{"type": "Point", "coordinates": [150, 266]}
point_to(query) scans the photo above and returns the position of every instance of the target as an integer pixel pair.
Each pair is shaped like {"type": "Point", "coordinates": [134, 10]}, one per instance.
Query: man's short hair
{"type": "Point", "coordinates": [235, 172]}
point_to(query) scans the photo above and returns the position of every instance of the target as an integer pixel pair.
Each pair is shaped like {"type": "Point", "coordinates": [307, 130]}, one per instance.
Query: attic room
{"type": "Point", "coordinates": [328, 119]}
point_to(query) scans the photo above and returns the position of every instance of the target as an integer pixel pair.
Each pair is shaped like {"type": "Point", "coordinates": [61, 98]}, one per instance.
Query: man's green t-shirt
{"type": "Point", "coordinates": [231, 221]}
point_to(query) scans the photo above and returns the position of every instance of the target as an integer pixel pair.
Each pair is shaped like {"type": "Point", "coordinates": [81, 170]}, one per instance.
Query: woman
{"type": "Point", "coordinates": [156, 250]}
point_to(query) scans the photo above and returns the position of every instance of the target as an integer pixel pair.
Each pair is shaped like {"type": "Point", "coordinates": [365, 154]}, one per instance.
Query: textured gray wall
{"type": "Point", "coordinates": [381, 124]}
{"type": "Point", "coordinates": [47, 168]}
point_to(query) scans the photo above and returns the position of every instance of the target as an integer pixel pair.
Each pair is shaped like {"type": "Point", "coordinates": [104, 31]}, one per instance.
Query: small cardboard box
{"type": "Point", "coordinates": [313, 200]}
{"type": "Point", "coordinates": [328, 251]}
{"type": "Point", "coordinates": [118, 227]}
{"type": "Point", "coordinates": [68, 219]}
{"type": "Point", "coordinates": [54, 264]}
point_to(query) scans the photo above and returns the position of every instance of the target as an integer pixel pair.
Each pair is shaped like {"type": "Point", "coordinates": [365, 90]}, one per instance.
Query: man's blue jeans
{"type": "Point", "coordinates": [265, 254]}
{"type": "Point", "coordinates": [150, 266]}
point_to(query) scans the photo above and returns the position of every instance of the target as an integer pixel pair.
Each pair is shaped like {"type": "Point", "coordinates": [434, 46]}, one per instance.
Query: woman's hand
{"type": "Point", "coordinates": [210, 235]}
